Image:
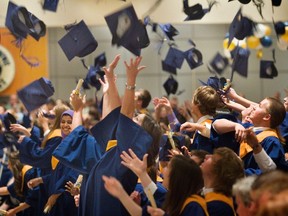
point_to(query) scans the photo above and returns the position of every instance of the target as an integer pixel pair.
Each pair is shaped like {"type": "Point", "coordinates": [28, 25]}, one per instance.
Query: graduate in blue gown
{"type": "Point", "coordinates": [142, 134]}
{"type": "Point", "coordinates": [19, 190]}
{"type": "Point", "coordinates": [182, 178]}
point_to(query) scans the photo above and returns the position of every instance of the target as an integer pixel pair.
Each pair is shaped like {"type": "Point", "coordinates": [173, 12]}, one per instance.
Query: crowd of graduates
{"type": "Point", "coordinates": [217, 154]}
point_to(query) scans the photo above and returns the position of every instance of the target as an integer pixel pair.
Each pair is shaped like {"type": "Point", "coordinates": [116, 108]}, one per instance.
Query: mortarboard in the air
{"type": "Point", "coordinates": [193, 58]}
{"type": "Point", "coordinates": [240, 27]}
{"type": "Point", "coordinates": [7, 120]}
{"type": "Point", "coordinates": [100, 61]}
{"type": "Point", "coordinates": [276, 3]}
{"type": "Point", "coordinates": [22, 23]}
{"type": "Point", "coordinates": [168, 68]}
{"type": "Point", "coordinates": [268, 69]}
{"type": "Point", "coordinates": [174, 57]}
{"type": "Point", "coordinates": [168, 30]}
{"type": "Point", "coordinates": [219, 84]}
{"type": "Point", "coordinates": [50, 5]}
{"type": "Point", "coordinates": [196, 11]}
{"type": "Point", "coordinates": [170, 85]}
{"type": "Point", "coordinates": [279, 28]}
{"type": "Point", "coordinates": [36, 93]}
{"type": "Point", "coordinates": [93, 76]}
{"type": "Point", "coordinates": [127, 30]}
{"type": "Point", "coordinates": [240, 61]}
{"type": "Point", "coordinates": [78, 41]}
{"type": "Point", "coordinates": [218, 64]}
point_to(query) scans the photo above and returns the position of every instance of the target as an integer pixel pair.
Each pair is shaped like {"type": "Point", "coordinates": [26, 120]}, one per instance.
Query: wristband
{"type": "Point", "coordinates": [130, 87]}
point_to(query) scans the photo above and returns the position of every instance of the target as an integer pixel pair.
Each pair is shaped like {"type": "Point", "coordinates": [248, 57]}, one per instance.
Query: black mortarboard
{"type": "Point", "coordinates": [78, 41]}
{"type": "Point", "coordinates": [127, 30]}
{"type": "Point", "coordinates": [240, 27]}
{"type": "Point", "coordinates": [279, 28]}
{"type": "Point", "coordinates": [36, 93]}
{"type": "Point", "coordinates": [193, 58]}
{"type": "Point", "coordinates": [218, 64]}
{"type": "Point", "coordinates": [100, 60]}
{"type": "Point", "coordinates": [276, 2]}
{"type": "Point", "coordinates": [268, 69]}
{"type": "Point", "coordinates": [93, 76]}
{"type": "Point", "coordinates": [168, 68]}
{"type": "Point", "coordinates": [196, 11]}
{"type": "Point", "coordinates": [240, 61]}
{"type": "Point", "coordinates": [215, 82]}
{"type": "Point", "coordinates": [50, 5]}
{"type": "Point", "coordinates": [21, 22]}
{"type": "Point", "coordinates": [169, 30]}
{"type": "Point", "coordinates": [174, 58]}
{"type": "Point", "coordinates": [170, 85]}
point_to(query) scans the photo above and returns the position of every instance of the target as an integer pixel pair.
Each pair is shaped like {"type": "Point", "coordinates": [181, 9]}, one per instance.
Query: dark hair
{"type": "Point", "coordinates": [227, 170]}
{"type": "Point", "coordinates": [201, 154]}
{"type": "Point", "coordinates": [180, 187]}
{"type": "Point", "coordinates": [277, 111]}
{"type": "Point", "coordinates": [154, 130]}
{"type": "Point", "coordinates": [145, 97]}
{"type": "Point", "coordinates": [207, 99]}
{"type": "Point", "coordinates": [16, 169]}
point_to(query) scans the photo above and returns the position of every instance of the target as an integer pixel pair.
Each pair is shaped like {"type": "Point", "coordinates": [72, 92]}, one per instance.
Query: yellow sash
{"type": "Point", "coordinates": [54, 162]}
{"type": "Point", "coordinates": [245, 148]}
{"type": "Point", "coordinates": [55, 133]}
{"type": "Point", "coordinates": [111, 144]}
{"type": "Point", "coordinates": [209, 121]}
{"type": "Point", "coordinates": [23, 172]}
{"type": "Point", "coordinates": [209, 197]}
{"type": "Point", "coordinates": [199, 200]}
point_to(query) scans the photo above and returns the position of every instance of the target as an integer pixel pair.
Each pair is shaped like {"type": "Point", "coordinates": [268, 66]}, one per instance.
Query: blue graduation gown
{"type": "Point", "coordinates": [227, 139]}
{"type": "Point", "coordinates": [95, 200]}
{"type": "Point", "coordinates": [219, 204]}
{"type": "Point", "coordinates": [55, 184]}
{"type": "Point", "coordinates": [283, 127]}
{"type": "Point", "coordinates": [29, 196]}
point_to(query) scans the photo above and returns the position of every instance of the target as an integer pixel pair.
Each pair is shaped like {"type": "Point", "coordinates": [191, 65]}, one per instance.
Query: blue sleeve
{"type": "Point", "coordinates": [35, 135]}
{"type": "Point", "coordinates": [31, 196]}
{"type": "Point", "coordinates": [193, 208]}
{"type": "Point", "coordinates": [33, 155]}
{"type": "Point", "coordinates": [79, 151]}
{"type": "Point", "coordinates": [105, 130]}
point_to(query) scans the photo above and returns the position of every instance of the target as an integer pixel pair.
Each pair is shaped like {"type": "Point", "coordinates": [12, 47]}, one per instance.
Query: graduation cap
{"type": "Point", "coordinates": [50, 5]}
{"type": "Point", "coordinates": [216, 83]}
{"type": "Point", "coordinates": [218, 64]}
{"type": "Point", "coordinates": [279, 28]}
{"type": "Point", "coordinates": [240, 61]}
{"type": "Point", "coordinates": [240, 27]}
{"type": "Point", "coordinates": [193, 58]}
{"type": "Point", "coordinates": [268, 69]}
{"type": "Point", "coordinates": [7, 120]}
{"type": "Point", "coordinates": [36, 93]}
{"type": "Point", "coordinates": [170, 85]}
{"type": "Point", "coordinates": [169, 30]}
{"type": "Point", "coordinates": [276, 3]}
{"type": "Point", "coordinates": [196, 11]}
{"type": "Point", "coordinates": [21, 22]}
{"type": "Point", "coordinates": [78, 41]}
{"type": "Point", "coordinates": [168, 68]}
{"type": "Point", "coordinates": [127, 30]}
{"type": "Point", "coordinates": [174, 58]}
{"type": "Point", "coordinates": [93, 76]}
{"type": "Point", "coordinates": [100, 60]}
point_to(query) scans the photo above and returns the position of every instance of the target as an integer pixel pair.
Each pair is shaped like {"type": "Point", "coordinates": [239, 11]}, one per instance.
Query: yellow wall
{"type": "Point", "coordinates": [24, 74]}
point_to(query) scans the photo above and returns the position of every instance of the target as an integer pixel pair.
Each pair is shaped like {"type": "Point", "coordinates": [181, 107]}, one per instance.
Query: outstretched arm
{"type": "Point", "coordinates": [111, 98]}
{"type": "Point", "coordinates": [132, 70]}
{"type": "Point", "coordinates": [231, 94]}
{"type": "Point", "coordinates": [114, 187]}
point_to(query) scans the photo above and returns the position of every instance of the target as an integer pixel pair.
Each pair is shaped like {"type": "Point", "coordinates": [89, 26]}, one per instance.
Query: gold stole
{"type": "Point", "coordinates": [209, 197]}
{"type": "Point", "coordinates": [55, 133]}
{"type": "Point", "coordinates": [209, 121]}
{"type": "Point", "coordinates": [245, 148]}
{"type": "Point", "coordinates": [198, 199]}
{"type": "Point", "coordinates": [111, 144]}
{"type": "Point", "coordinates": [23, 172]}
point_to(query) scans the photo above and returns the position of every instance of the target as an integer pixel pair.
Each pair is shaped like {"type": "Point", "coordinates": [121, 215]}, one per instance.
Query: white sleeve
{"type": "Point", "coordinates": [152, 187]}
{"type": "Point", "coordinates": [264, 162]}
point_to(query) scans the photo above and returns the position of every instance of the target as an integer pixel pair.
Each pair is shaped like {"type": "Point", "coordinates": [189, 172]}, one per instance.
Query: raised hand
{"type": "Point", "coordinates": [70, 187]}
{"type": "Point", "coordinates": [134, 163]}
{"type": "Point", "coordinates": [19, 128]}
{"type": "Point", "coordinates": [109, 72]}
{"type": "Point", "coordinates": [113, 186]}
{"type": "Point", "coordinates": [133, 69]}
{"type": "Point", "coordinates": [77, 101]}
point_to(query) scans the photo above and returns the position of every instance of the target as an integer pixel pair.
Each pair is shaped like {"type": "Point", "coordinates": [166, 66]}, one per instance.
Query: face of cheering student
{"type": "Point", "coordinates": [65, 124]}
{"type": "Point", "coordinates": [138, 119]}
